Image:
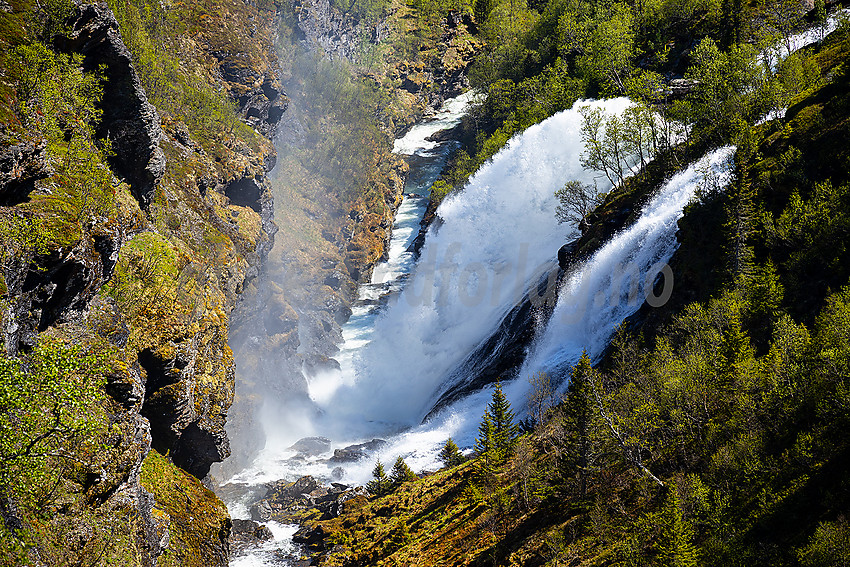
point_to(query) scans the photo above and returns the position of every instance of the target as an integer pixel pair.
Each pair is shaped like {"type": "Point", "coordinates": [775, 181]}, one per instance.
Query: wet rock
{"type": "Point", "coordinates": [313, 538]}
{"type": "Point", "coordinates": [680, 88]}
{"type": "Point", "coordinates": [129, 121]}
{"type": "Point", "coordinates": [247, 533]}
{"type": "Point", "coordinates": [312, 446]}
{"type": "Point", "coordinates": [356, 452]}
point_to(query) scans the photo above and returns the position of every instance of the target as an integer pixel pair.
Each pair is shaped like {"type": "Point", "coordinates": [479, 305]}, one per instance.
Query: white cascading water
{"type": "Point", "coordinates": [605, 290]}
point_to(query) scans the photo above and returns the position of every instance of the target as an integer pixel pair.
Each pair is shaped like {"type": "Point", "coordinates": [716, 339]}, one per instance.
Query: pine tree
{"type": "Point", "coordinates": [485, 467]}
{"type": "Point", "coordinates": [401, 473]}
{"type": "Point", "coordinates": [505, 431]}
{"type": "Point", "coordinates": [380, 485]}
{"type": "Point", "coordinates": [676, 548]}
{"type": "Point", "coordinates": [740, 215]}
{"type": "Point", "coordinates": [450, 455]}
{"type": "Point", "coordinates": [579, 416]}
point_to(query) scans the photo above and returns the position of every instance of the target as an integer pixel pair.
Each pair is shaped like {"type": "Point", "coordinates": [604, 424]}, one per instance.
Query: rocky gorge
{"type": "Point", "coordinates": [179, 240]}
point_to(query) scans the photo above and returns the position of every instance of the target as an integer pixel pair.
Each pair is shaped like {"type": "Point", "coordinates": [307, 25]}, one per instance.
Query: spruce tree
{"type": "Point", "coordinates": [380, 484]}
{"type": "Point", "coordinates": [401, 473]}
{"type": "Point", "coordinates": [740, 216]}
{"type": "Point", "coordinates": [676, 548]}
{"type": "Point", "coordinates": [505, 431]}
{"type": "Point", "coordinates": [450, 455]}
{"type": "Point", "coordinates": [485, 469]}
{"type": "Point", "coordinates": [579, 414]}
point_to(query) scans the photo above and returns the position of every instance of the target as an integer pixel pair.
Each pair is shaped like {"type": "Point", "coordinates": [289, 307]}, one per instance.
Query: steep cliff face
{"type": "Point", "coordinates": [132, 225]}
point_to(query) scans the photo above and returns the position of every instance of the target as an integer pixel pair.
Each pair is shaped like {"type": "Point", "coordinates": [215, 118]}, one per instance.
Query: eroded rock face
{"type": "Point", "coordinates": [284, 501]}
{"type": "Point", "coordinates": [21, 165]}
{"type": "Point", "coordinates": [49, 288]}
{"type": "Point", "coordinates": [129, 121]}
{"type": "Point", "coordinates": [259, 93]}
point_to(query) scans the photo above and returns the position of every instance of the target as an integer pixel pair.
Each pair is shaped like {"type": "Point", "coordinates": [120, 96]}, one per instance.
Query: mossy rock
{"type": "Point", "coordinates": [199, 522]}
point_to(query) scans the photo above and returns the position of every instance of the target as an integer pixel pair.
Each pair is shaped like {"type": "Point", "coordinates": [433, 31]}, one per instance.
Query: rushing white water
{"type": "Point", "coordinates": [798, 41]}
{"type": "Point", "coordinates": [613, 284]}
{"type": "Point", "coordinates": [275, 552]}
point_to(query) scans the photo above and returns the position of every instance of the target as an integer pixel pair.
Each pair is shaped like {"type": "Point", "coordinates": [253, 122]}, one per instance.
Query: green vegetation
{"type": "Point", "coordinates": [380, 484]}
{"type": "Point", "coordinates": [197, 520]}
{"type": "Point", "coordinates": [151, 30]}
{"type": "Point", "coordinates": [540, 57]}
{"type": "Point", "coordinates": [714, 432]}
{"type": "Point", "coordinates": [53, 423]}
{"type": "Point", "coordinates": [450, 454]}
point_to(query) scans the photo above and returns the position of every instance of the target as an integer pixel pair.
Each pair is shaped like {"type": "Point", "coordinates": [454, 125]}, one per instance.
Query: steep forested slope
{"type": "Point", "coordinates": [713, 431]}
{"type": "Point", "coordinates": [135, 206]}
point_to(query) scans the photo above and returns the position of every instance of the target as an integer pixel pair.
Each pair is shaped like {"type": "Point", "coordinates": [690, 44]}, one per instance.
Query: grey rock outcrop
{"type": "Point", "coordinates": [129, 121]}
{"type": "Point", "coordinates": [21, 165]}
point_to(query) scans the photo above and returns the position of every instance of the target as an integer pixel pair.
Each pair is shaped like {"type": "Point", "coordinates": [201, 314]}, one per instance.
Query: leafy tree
{"type": "Point", "coordinates": [401, 473]}
{"type": "Point", "coordinates": [541, 399]}
{"type": "Point", "coordinates": [609, 49]}
{"type": "Point", "coordinates": [829, 545]}
{"type": "Point", "coordinates": [51, 421]}
{"type": "Point", "coordinates": [726, 83]}
{"type": "Point", "coordinates": [450, 455]}
{"type": "Point", "coordinates": [576, 201]}
{"type": "Point", "coordinates": [380, 484]}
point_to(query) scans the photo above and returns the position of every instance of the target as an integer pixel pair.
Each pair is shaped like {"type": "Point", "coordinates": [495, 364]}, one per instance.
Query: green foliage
{"type": "Point", "coordinates": [146, 277]}
{"type": "Point", "coordinates": [51, 421]}
{"type": "Point", "coordinates": [150, 30]}
{"type": "Point", "coordinates": [194, 529]}
{"type": "Point", "coordinates": [450, 455]}
{"type": "Point", "coordinates": [609, 49]}
{"type": "Point", "coordinates": [580, 421]}
{"type": "Point", "coordinates": [576, 201]}
{"type": "Point", "coordinates": [726, 82]}
{"type": "Point", "coordinates": [830, 545]}
{"type": "Point", "coordinates": [369, 10]}
{"type": "Point", "coordinates": [676, 548]}
{"type": "Point", "coordinates": [380, 484]}
{"type": "Point", "coordinates": [401, 473]}
{"type": "Point", "coordinates": [505, 431]}
{"type": "Point", "coordinates": [62, 103]}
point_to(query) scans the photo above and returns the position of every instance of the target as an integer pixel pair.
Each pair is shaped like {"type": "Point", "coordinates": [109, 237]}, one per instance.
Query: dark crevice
{"type": "Point", "coordinates": [245, 193]}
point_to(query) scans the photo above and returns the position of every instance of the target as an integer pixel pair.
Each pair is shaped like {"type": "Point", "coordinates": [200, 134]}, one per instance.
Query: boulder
{"type": "Point", "coordinates": [356, 452]}
{"type": "Point", "coordinates": [312, 446]}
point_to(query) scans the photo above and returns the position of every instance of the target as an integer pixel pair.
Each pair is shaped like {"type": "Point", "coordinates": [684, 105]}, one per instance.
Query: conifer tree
{"type": "Point", "coordinates": [450, 455]}
{"type": "Point", "coordinates": [486, 450]}
{"type": "Point", "coordinates": [676, 548]}
{"type": "Point", "coordinates": [401, 473]}
{"type": "Point", "coordinates": [740, 217]}
{"type": "Point", "coordinates": [505, 431]}
{"type": "Point", "coordinates": [579, 414]}
{"type": "Point", "coordinates": [380, 484]}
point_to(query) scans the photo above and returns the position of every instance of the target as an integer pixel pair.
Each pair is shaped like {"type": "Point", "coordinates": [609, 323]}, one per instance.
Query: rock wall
{"type": "Point", "coordinates": [156, 276]}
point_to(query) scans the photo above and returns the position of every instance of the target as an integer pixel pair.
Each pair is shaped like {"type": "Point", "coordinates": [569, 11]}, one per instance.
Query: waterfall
{"type": "Point", "coordinates": [601, 293]}
{"type": "Point", "coordinates": [495, 236]}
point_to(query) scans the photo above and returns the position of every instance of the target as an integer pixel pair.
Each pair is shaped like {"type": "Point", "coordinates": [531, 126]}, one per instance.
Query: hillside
{"type": "Point", "coordinates": [193, 195]}
{"type": "Point", "coordinates": [712, 431]}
